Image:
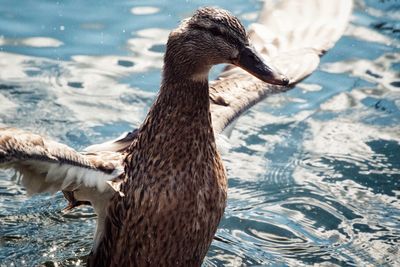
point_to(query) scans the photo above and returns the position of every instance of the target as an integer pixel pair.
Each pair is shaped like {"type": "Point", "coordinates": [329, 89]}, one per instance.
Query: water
{"type": "Point", "coordinates": [313, 173]}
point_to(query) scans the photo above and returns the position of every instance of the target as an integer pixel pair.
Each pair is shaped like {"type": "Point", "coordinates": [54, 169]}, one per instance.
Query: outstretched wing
{"type": "Point", "coordinates": [48, 166]}
{"type": "Point", "coordinates": [289, 34]}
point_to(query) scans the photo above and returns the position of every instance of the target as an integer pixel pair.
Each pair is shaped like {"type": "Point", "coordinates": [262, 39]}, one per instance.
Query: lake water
{"type": "Point", "coordinates": [314, 173]}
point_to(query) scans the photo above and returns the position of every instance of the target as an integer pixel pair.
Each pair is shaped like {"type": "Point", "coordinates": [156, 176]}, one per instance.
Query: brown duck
{"type": "Point", "coordinates": [174, 181]}
{"type": "Point", "coordinates": [160, 191]}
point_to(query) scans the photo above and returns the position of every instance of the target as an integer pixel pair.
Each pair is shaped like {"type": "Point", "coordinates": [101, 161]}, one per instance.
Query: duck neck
{"type": "Point", "coordinates": [180, 114]}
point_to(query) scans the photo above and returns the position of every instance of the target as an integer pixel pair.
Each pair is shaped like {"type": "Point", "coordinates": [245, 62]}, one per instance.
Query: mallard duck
{"type": "Point", "coordinates": [160, 191]}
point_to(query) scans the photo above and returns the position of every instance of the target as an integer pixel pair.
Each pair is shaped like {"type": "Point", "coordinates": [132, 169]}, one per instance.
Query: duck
{"type": "Point", "coordinates": [160, 191]}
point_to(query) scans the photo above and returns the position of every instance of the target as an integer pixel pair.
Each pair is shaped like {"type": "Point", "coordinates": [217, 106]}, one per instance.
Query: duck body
{"type": "Point", "coordinates": [175, 190]}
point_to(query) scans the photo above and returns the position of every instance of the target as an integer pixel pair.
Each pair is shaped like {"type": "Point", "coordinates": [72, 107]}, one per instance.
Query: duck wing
{"type": "Point", "coordinates": [47, 166]}
{"type": "Point", "coordinates": [119, 144]}
{"type": "Point", "coordinates": [292, 35]}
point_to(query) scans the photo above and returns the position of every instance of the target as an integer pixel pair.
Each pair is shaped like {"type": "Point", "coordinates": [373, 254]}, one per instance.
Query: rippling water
{"type": "Point", "coordinates": [314, 173]}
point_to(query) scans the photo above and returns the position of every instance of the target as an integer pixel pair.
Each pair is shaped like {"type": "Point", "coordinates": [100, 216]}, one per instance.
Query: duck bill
{"type": "Point", "coordinates": [251, 62]}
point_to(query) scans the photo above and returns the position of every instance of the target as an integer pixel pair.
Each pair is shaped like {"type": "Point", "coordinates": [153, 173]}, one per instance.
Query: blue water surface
{"type": "Point", "coordinates": [314, 173]}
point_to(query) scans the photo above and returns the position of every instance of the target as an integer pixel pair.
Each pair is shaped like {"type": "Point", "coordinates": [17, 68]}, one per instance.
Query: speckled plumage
{"type": "Point", "coordinates": [175, 189]}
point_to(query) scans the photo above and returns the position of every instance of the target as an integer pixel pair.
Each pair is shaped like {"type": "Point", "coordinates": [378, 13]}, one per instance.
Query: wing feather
{"type": "Point", "coordinates": [289, 34]}
{"type": "Point", "coordinates": [117, 145]}
{"type": "Point", "coordinates": [47, 166]}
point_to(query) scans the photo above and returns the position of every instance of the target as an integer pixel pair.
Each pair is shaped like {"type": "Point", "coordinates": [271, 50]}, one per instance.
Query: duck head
{"type": "Point", "coordinates": [214, 36]}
